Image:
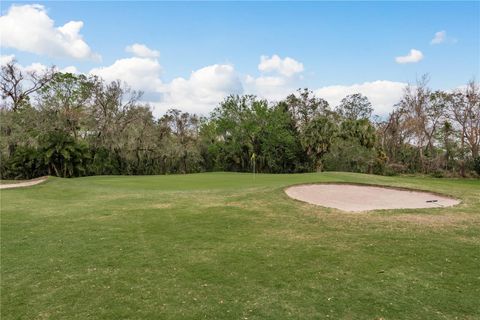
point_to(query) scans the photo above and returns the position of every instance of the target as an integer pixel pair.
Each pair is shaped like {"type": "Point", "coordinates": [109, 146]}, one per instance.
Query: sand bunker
{"type": "Point", "coordinates": [356, 198]}
{"type": "Point", "coordinates": [25, 183]}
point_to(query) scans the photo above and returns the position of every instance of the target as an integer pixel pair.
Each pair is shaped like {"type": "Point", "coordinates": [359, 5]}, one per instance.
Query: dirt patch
{"type": "Point", "coordinates": [357, 198]}
{"type": "Point", "coordinates": [25, 183]}
{"type": "Point", "coordinates": [162, 206]}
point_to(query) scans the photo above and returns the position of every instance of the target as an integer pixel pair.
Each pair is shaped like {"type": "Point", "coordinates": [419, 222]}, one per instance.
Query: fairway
{"type": "Point", "coordinates": [231, 246]}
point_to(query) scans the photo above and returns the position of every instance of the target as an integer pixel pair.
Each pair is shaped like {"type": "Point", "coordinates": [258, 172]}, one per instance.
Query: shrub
{"type": "Point", "coordinates": [25, 163]}
{"type": "Point", "coordinates": [476, 165]}
{"type": "Point", "coordinates": [63, 155]}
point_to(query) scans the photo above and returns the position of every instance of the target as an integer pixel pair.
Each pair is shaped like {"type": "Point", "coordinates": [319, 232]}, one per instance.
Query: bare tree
{"type": "Point", "coordinates": [110, 106]}
{"type": "Point", "coordinates": [414, 108]}
{"type": "Point", "coordinates": [17, 85]}
{"type": "Point", "coordinates": [465, 112]}
{"type": "Point", "coordinates": [185, 127]}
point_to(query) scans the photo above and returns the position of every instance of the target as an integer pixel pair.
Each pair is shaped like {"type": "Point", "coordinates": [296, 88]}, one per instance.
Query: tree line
{"type": "Point", "coordinates": [69, 125]}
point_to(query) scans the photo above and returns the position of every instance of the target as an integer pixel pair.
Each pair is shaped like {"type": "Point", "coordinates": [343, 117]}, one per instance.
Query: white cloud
{"type": "Point", "coordinates": [35, 67]}
{"type": "Point", "coordinates": [139, 73]}
{"type": "Point", "coordinates": [4, 59]}
{"type": "Point", "coordinates": [284, 81]}
{"type": "Point", "coordinates": [286, 67]}
{"type": "Point", "coordinates": [142, 51]}
{"type": "Point", "coordinates": [199, 93]}
{"type": "Point", "coordinates": [206, 87]}
{"type": "Point", "coordinates": [29, 28]}
{"type": "Point", "coordinates": [383, 94]}
{"type": "Point", "coordinates": [413, 56]}
{"type": "Point", "coordinates": [202, 91]}
{"type": "Point", "coordinates": [273, 88]}
{"type": "Point", "coordinates": [69, 69]}
{"type": "Point", "coordinates": [439, 37]}
{"type": "Point", "coordinates": [40, 68]}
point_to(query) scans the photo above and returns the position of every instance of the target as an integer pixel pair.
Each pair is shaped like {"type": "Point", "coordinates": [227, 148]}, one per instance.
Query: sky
{"type": "Point", "coordinates": [191, 55]}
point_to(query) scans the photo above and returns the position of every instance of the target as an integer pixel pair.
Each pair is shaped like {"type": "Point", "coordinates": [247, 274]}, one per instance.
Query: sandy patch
{"type": "Point", "coordinates": [356, 198]}
{"type": "Point", "coordinates": [161, 205]}
{"type": "Point", "coordinates": [25, 183]}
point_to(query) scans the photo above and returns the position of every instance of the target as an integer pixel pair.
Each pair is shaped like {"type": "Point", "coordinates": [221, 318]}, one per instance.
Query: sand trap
{"type": "Point", "coordinates": [25, 183]}
{"type": "Point", "coordinates": [356, 198]}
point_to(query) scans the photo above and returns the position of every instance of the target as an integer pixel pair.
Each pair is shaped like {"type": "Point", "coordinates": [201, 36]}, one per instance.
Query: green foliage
{"type": "Point", "coordinates": [25, 163]}
{"type": "Point", "coordinates": [304, 106]}
{"type": "Point", "coordinates": [280, 147]}
{"type": "Point", "coordinates": [63, 100]}
{"type": "Point", "coordinates": [476, 165]}
{"type": "Point", "coordinates": [104, 162]}
{"type": "Point", "coordinates": [355, 107]}
{"type": "Point", "coordinates": [317, 139]}
{"type": "Point", "coordinates": [361, 131]}
{"type": "Point", "coordinates": [81, 125]}
{"type": "Point", "coordinates": [242, 126]}
{"type": "Point", "coordinates": [350, 156]}
{"type": "Point", "coordinates": [63, 156]}
{"type": "Point", "coordinates": [353, 149]}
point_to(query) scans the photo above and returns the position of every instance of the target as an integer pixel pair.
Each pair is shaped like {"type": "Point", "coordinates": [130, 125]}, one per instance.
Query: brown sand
{"type": "Point", "coordinates": [25, 183]}
{"type": "Point", "coordinates": [356, 198]}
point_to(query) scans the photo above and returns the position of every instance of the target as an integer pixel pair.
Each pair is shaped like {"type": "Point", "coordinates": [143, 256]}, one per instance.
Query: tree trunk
{"type": "Point", "coordinates": [462, 162]}
{"type": "Point", "coordinates": [56, 170]}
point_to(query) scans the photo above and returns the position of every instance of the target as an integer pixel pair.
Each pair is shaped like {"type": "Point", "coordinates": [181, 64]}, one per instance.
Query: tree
{"type": "Point", "coordinates": [317, 139]}
{"type": "Point", "coordinates": [138, 144]}
{"type": "Point", "coordinates": [244, 125]}
{"type": "Point", "coordinates": [25, 163]}
{"type": "Point", "coordinates": [465, 111]}
{"type": "Point", "coordinates": [391, 137]}
{"type": "Point", "coordinates": [420, 117]}
{"type": "Point", "coordinates": [64, 100]}
{"type": "Point", "coordinates": [107, 116]}
{"type": "Point", "coordinates": [304, 107]}
{"type": "Point", "coordinates": [353, 147]}
{"type": "Point", "coordinates": [17, 85]}
{"type": "Point", "coordinates": [355, 107]}
{"type": "Point", "coordinates": [237, 131]}
{"type": "Point", "coordinates": [19, 128]}
{"type": "Point", "coordinates": [476, 165]}
{"type": "Point", "coordinates": [62, 155]}
{"type": "Point", "coordinates": [71, 125]}
{"type": "Point", "coordinates": [184, 130]}
{"type": "Point", "coordinates": [280, 144]}
{"type": "Point", "coordinates": [360, 130]}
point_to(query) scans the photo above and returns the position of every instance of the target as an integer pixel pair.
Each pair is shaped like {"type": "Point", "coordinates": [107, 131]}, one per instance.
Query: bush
{"type": "Point", "coordinates": [351, 156]}
{"type": "Point", "coordinates": [476, 165]}
{"type": "Point", "coordinates": [63, 155]}
{"type": "Point", "coordinates": [25, 163]}
{"type": "Point", "coordinates": [438, 173]}
{"type": "Point", "coordinates": [104, 162]}
{"type": "Point", "coordinates": [393, 169]}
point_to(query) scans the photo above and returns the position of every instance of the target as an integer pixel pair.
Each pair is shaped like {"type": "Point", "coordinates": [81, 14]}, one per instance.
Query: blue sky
{"type": "Point", "coordinates": [337, 43]}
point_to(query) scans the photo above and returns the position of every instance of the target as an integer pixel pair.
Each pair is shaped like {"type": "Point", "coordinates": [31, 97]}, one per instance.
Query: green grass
{"type": "Point", "coordinates": [223, 246]}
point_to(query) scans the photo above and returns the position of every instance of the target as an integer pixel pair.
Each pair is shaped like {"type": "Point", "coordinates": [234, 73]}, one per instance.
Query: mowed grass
{"type": "Point", "coordinates": [226, 246]}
